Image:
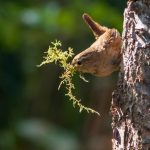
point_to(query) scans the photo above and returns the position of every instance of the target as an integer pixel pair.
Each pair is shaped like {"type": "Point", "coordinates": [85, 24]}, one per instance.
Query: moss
{"type": "Point", "coordinates": [56, 55]}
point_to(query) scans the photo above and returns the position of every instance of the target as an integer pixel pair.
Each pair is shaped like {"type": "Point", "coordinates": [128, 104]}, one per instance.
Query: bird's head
{"type": "Point", "coordinates": [103, 56]}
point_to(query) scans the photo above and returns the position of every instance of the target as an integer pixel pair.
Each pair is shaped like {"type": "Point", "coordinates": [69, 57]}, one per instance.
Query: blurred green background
{"type": "Point", "coordinates": [33, 114]}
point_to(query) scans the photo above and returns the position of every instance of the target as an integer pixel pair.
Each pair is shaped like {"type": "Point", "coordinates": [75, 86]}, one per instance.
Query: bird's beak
{"type": "Point", "coordinates": [73, 62]}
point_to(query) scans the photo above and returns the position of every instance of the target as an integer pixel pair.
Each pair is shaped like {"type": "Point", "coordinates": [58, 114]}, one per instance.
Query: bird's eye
{"type": "Point", "coordinates": [79, 62]}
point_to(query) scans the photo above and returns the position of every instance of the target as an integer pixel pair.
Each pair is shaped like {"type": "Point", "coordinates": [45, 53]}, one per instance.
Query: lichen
{"type": "Point", "coordinates": [56, 55]}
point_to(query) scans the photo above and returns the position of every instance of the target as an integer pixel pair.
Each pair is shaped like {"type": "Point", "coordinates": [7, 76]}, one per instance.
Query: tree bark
{"type": "Point", "coordinates": [131, 99]}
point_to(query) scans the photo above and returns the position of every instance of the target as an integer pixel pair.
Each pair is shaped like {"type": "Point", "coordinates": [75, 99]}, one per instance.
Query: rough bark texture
{"type": "Point", "coordinates": [131, 99]}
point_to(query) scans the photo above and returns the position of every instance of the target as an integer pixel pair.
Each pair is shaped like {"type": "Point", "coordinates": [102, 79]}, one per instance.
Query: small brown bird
{"type": "Point", "coordinates": [104, 55]}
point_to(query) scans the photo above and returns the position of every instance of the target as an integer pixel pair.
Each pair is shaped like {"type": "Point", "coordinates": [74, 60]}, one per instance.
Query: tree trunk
{"type": "Point", "coordinates": [131, 100]}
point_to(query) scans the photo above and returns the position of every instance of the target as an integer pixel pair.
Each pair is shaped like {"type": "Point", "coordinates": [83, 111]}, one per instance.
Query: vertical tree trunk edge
{"type": "Point", "coordinates": [130, 106]}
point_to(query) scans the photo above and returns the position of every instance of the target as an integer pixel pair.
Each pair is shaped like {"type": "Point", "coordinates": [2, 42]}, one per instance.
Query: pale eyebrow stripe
{"type": "Point", "coordinates": [85, 57]}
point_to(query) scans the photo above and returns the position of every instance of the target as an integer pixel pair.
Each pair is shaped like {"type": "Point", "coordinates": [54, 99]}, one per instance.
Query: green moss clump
{"type": "Point", "coordinates": [59, 57]}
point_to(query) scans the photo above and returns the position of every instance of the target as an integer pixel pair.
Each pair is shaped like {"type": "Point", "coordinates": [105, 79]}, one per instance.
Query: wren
{"type": "Point", "coordinates": [103, 57]}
